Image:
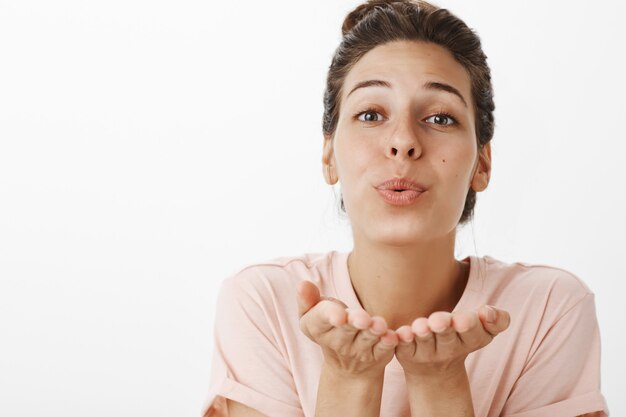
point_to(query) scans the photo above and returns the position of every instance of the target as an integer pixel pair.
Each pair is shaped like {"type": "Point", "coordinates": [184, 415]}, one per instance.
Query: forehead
{"type": "Point", "coordinates": [407, 65]}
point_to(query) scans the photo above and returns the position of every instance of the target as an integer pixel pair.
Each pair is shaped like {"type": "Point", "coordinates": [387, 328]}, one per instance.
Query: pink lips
{"type": "Point", "coordinates": [400, 191]}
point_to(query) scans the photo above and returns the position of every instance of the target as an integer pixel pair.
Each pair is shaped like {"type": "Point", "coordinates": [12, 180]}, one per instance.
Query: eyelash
{"type": "Point", "coordinates": [448, 115]}
{"type": "Point", "coordinates": [441, 113]}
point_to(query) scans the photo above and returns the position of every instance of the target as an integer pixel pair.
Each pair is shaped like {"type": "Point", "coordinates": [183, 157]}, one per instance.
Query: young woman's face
{"type": "Point", "coordinates": [414, 119]}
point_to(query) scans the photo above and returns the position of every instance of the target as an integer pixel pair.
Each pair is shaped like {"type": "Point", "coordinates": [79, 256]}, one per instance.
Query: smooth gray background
{"type": "Point", "coordinates": [149, 149]}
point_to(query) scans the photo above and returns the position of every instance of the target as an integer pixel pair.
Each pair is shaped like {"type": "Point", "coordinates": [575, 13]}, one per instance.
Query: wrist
{"type": "Point", "coordinates": [442, 370]}
{"type": "Point", "coordinates": [449, 379]}
{"type": "Point", "coordinates": [341, 393]}
{"type": "Point", "coordinates": [337, 373]}
{"type": "Point", "coordinates": [441, 394]}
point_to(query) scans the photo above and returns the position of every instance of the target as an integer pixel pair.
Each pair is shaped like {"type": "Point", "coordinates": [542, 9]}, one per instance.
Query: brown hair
{"type": "Point", "coordinates": [377, 22]}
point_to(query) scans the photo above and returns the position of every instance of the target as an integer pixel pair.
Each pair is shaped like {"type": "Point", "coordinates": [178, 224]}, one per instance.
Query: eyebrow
{"type": "Point", "coordinates": [430, 85]}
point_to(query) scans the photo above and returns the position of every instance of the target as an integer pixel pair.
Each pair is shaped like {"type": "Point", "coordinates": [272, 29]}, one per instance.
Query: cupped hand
{"type": "Point", "coordinates": [442, 341]}
{"type": "Point", "coordinates": [352, 342]}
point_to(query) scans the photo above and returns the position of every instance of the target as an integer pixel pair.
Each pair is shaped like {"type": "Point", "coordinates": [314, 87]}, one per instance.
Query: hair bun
{"type": "Point", "coordinates": [356, 15]}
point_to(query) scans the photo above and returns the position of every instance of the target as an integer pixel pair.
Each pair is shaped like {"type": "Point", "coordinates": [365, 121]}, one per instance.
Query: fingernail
{"type": "Point", "coordinates": [360, 323]}
{"type": "Point", "coordinates": [491, 314]}
{"type": "Point", "coordinates": [378, 327]}
{"type": "Point", "coordinates": [388, 342]}
{"type": "Point", "coordinates": [406, 338]}
{"type": "Point", "coordinates": [388, 339]}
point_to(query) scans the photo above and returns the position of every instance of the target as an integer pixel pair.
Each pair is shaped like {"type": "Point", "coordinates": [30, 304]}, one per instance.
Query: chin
{"type": "Point", "coordinates": [403, 234]}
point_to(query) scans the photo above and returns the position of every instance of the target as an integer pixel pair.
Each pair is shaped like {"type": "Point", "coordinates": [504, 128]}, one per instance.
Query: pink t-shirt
{"type": "Point", "coordinates": [546, 364]}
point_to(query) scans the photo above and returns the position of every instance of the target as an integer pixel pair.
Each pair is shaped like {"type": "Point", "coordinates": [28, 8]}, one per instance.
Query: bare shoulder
{"type": "Point", "coordinates": [236, 409]}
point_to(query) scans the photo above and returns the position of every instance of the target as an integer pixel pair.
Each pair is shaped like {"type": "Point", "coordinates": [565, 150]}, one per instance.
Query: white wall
{"type": "Point", "coordinates": [148, 149]}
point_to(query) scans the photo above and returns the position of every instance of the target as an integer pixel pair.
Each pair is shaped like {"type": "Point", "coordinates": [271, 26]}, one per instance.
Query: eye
{"type": "Point", "coordinates": [442, 119]}
{"type": "Point", "coordinates": [371, 115]}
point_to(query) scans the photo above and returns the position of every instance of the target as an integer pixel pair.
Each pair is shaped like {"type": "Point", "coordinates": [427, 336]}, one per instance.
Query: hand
{"type": "Point", "coordinates": [440, 343]}
{"type": "Point", "coordinates": [352, 342]}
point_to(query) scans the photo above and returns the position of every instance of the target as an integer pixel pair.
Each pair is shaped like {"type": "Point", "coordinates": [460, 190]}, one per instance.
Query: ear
{"type": "Point", "coordinates": [482, 171]}
{"type": "Point", "coordinates": [328, 161]}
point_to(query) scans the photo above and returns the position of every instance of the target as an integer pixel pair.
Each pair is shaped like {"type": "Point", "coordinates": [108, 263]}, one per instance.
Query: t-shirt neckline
{"type": "Point", "coordinates": [345, 292]}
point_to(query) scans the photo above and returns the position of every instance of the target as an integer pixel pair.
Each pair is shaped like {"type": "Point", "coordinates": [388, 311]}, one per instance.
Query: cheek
{"type": "Point", "coordinates": [456, 164]}
{"type": "Point", "coordinates": [353, 157]}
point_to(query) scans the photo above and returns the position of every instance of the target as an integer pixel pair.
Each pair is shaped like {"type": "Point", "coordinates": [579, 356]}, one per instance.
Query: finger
{"type": "Point", "coordinates": [366, 338]}
{"type": "Point", "coordinates": [323, 317]}
{"type": "Point", "coordinates": [335, 300]}
{"type": "Point", "coordinates": [308, 296]}
{"type": "Point", "coordinates": [446, 338]}
{"type": "Point", "coordinates": [493, 319]}
{"type": "Point", "coordinates": [356, 320]}
{"type": "Point", "coordinates": [463, 321]}
{"type": "Point", "coordinates": [386, 345]}
{"type": "Point", "coordinates": [379, 326]}
{"type": "Point", "coordinates": [359, 319]}
{"type": "Point", "coordinates": [405, 334]}
{"type": "Point", "coordinates": [469, 329]}
{"type": "Point", "coordinates": [424, 337]}
{"type": "Point", "coordinates": [406, 342]}
{"type": "Point", "coordinates": [337, 319]}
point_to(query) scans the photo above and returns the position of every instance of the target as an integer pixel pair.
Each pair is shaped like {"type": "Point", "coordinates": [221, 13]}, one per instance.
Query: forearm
{"type": "Point", "coordinates": [440, 396]}
{"type": "Point", "coordinates": [345, 395]}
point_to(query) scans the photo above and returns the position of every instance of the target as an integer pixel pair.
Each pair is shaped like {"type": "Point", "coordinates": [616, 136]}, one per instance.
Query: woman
{"type": "Point", "coordinates": [403, 328]}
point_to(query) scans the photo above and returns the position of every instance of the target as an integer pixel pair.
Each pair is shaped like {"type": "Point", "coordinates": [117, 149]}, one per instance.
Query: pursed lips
{"type": "Point", "coordinates": [401, 184]}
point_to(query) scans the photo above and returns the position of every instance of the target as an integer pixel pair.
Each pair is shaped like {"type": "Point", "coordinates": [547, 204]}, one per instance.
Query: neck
{"type": "Point", "coordinates": [402, 283]}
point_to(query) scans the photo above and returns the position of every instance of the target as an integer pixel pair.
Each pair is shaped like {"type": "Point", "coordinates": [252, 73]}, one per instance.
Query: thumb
{"type": "Point", "coordinates": [308, 296]}
{"type": "Point", "coordinates": [494, 320]}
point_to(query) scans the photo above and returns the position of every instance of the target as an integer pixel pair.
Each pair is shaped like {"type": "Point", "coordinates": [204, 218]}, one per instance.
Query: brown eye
{"type": "Point", "coordinates": [369, 116]}
{"type": "Point", "coordinates": [441, 119]}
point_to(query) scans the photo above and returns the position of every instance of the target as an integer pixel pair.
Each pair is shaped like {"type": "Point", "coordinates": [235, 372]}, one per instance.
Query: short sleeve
{"type": "Point", "coordinates": [248, 365]}
{"type": "Point", "coordinates": [562, 377]}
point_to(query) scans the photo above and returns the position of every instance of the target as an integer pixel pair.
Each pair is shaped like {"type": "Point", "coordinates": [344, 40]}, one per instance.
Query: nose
{"type": "Point", "coordinates": [404, 141]}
